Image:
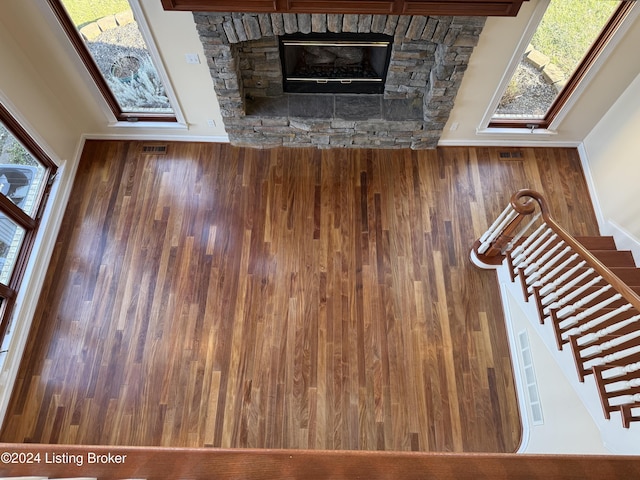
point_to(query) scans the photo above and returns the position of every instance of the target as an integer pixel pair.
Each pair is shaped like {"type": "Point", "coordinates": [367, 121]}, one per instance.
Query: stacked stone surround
{"type": "Point", "coordinates": [428, 59]}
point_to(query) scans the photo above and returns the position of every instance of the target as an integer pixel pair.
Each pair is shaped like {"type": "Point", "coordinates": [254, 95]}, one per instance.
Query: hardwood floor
{"type": "Point", "coordinates": [321, 299]}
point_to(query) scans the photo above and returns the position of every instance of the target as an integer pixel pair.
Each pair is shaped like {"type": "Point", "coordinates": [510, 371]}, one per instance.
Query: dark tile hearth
{"type": "Point", "coordinates": [336, 106]}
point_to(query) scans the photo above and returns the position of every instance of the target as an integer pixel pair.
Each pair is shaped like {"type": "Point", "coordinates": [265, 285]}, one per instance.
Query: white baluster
{"type": "Point", "coordinates": [520, 248]}
{"type": "Point", "coordinates": [485, 236]}
{"type": "Point", "coordinates": [622, 385]}
{"type": "Point", "coordinates": [498, 231]}
{"type": "Point", "coordinates": [592, 337]}
{"type": "Point", "coordinates": [604, 346]}
{"type": "Point", "coordinates": [539, 278]}
{"type": "Point", "coordinates": [547, 289]}
{"type": "Point", "coordinates": [530, 248]}
{"type": "Point", "coordinates": [614, 372]}
{"type": "Point", "coordinates": [535, 253]}
{"type": "Point", "coordinates": [541, 263]}
{"type": "Point", "coordinates": [518, 236]}
{"type": "Point", "coordinates": [570, 309]}
{"type": "Point", "coordinates": [547, 278]}
{"type": "Point", "coordinates": [613, 357]}
{"type": "Point", "coordinates": [624, 400]}
{"type": "Point", "coordinates": [575, 293]}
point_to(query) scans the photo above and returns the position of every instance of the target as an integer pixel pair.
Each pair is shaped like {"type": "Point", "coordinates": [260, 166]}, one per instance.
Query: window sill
{"type": "Point", "coordinates": [543, 132]}
{"type": "Point", "coordinates": [143, 124]}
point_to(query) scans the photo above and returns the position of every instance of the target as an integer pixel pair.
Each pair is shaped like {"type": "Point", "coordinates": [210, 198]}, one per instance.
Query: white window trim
{"type": "Point", "coordinates": [515, 60]}
{"type": "Point", "coordinates": [527, 35]}
{"type": "Point", "coordinates": [148, 37]}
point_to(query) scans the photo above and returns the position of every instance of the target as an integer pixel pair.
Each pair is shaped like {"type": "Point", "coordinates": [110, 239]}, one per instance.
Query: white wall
{"type": "Point", "coordinates": [611, 154]}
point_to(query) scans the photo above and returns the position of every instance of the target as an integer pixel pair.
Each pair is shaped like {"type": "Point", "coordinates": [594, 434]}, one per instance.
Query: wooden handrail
{"type": "Point", "coordinates": [610, 277]}
{"type": "Point", "coordinates": [523, 202]}
{"type": "Point", "coordinates": [155, 463]}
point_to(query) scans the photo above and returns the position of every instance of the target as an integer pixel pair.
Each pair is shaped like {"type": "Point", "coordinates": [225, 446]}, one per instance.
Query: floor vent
{"type": "Point", "coordinates": [513, 154]}
{"type": "Point", "coordinates": [531, 383]}
{"type": "Point", "coordinates": [149, 149]}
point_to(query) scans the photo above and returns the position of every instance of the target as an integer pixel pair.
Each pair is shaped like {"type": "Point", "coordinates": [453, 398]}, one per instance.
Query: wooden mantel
{"type": "Point", "coordinates": [383, 7]}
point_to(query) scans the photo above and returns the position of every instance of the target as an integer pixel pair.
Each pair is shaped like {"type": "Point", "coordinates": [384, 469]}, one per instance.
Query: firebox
{"type": "Point", "coordinates": [335, 63]}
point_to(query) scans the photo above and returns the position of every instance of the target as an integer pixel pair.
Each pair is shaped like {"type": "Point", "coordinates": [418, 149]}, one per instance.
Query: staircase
{"type": "Point", "coordinates": [584, 289]}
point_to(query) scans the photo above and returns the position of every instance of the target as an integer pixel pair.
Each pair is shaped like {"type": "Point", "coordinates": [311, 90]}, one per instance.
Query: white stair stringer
{"type": "Point", "coordinates": [572, 412]}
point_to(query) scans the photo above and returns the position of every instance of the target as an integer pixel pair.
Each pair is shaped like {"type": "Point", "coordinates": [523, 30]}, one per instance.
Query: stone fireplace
{"type": "Point", "coordinates": [427, 59]}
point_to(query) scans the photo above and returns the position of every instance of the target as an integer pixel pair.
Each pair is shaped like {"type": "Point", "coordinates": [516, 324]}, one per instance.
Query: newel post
{"type": "Point", "coordinates": [489, 250]}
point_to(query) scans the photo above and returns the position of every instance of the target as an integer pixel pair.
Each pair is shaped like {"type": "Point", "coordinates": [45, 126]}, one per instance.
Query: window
{"type": "Point", "coordinates": [108, 40]}
{"type": "Point", "coordinates": [566, 44]}
{"type": "Point", "coordinates": [25, 173]}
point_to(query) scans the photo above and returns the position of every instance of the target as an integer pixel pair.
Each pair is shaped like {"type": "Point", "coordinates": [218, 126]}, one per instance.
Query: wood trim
{"type": "Point", "coordinates": [407, 7]}
{"type": "Point", "coordinates": [199, 464]}
{"type": "Point", "coordinates": [578, 76]}
{"type": "Point", "coordinates": [79, 46]}
{"type": "Point", "coordinates": [589, 60]}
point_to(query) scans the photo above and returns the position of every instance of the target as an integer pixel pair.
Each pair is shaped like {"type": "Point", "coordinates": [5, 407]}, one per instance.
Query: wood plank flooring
{"type": "Point", "coordinates": [286, 298]}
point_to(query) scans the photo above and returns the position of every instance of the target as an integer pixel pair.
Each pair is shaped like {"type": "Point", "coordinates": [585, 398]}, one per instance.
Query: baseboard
{"type": "Point", "coordinates": [157, 137]}
{"type": "Point", "coordinates": [502, 142]}
{"type": "Point", "coordinates": [591, 186]}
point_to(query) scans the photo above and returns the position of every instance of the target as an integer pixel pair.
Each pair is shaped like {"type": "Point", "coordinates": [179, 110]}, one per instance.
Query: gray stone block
{"type": "Point", "coordinates": [277, 24]}
{"type": "Point", "coordinates": [350, 23]}
{"type": "Point", "coordinates": [378, 23]}
{"type": "Point", "coordinates": [452, 35]}
{"type": "Point", "coordinates": [364, 23]}
{"type": "Point", "coordinates": [319, 22]}
{"type": "Point", "coordinates": [304, 22]}
{"type": "Point", "coordinates": [401, 27]}
{"type": "Point", "coordinates": [416, 27]}
{"type": "Point", "coordinates": [251, 27]}
{"type": "Point", "coordinates": [264, 19]}
{"type": "Point", "coordinates": [390, 26]}
{"type": "Point", "coordinates": [429, 29]}
{"type": "Point", "coordinates": [441, 29]}
{"type": "Point", "coordinates": [290, 22]}
{"type": "Point", "coordinates": [334, 23]}
{"type": "Point", "coordinates": [230, 31]}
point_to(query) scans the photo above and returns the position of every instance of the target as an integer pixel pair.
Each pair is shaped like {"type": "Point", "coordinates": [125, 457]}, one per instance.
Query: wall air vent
{"type": "Point", "coordinates": [510, 154]}
{"type": "Point", "coordinates": [154, 149]}
{"type": "Point", "coordinates": [531, 382]}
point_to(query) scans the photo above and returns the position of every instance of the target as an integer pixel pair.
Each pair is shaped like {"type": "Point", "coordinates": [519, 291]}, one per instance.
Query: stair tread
{"type": "Point", "coordinates": [597, 243]}
{"type": "Point", "coordinates": [615, 258]}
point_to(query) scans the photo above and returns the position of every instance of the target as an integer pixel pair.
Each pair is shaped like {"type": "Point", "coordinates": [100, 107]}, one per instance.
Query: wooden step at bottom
{"type": "Point", "coordinates": [597, 243]}
{"type": "Point", "coordinates": [615, 258]}
{"type": "Point", "coordinates": [629, 275]}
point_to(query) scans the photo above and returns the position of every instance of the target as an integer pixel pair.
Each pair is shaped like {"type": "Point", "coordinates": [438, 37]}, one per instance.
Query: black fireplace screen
{"type": "Point", "coordinates": [335, 63]}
